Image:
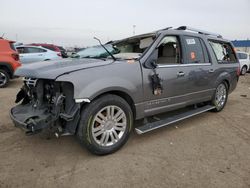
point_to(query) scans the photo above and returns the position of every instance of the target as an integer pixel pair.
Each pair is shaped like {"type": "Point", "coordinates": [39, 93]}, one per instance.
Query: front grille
{"type": "Point", "coordinates": [30, 82]}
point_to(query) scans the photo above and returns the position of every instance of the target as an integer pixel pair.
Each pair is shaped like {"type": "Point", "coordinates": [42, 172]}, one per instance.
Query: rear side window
{"type": "Point", "coordinates": [35, 50]}
{"type": "Point", "coordinates": [223, 52]}
{"type": "Point", "coordinates": [242, 56]}
{"type": "Point", "coordinates": [50, 48]}
{"type": "Point", "coordinates": [196, 51]}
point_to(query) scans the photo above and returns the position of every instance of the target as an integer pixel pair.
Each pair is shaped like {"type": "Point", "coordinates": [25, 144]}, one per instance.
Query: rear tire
{"type": "Point", "coordinates": [243, 70]}
{"type": "Point", "coordinates": [105, 124]}
{"type": "Point", "coordinates": [220, 97]}
{"type": "Point", "coordinates": [4, 78]}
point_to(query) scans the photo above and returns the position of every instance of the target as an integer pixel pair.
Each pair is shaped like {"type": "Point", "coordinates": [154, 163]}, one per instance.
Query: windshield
{"type": "Point", "coordinates": [97, 52]}
{"type": "Point", "coordinates": [134, 47]}
{"type": "Point", "coordinates": [129, 48]}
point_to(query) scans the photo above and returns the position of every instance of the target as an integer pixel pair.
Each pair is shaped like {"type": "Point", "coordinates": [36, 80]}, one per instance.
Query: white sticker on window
{"type": "Point", "coordinates": [190, 41]}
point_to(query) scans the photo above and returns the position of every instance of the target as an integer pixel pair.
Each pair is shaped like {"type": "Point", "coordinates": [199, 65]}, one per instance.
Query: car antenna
{"type": "Point", "coordinates": [105, 48]}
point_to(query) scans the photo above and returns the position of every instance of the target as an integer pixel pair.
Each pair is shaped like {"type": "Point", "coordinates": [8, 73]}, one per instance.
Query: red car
{"type": "Point", "coordinates": [9, 61]}
{"type": "Point", "coordinates": [49, 46]}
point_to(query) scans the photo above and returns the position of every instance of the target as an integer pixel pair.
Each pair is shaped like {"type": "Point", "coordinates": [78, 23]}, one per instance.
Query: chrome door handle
{"type": "Point", "coordinates": [180, 74]}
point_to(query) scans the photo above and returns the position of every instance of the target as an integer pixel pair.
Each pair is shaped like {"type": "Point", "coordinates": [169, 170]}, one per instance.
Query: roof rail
{"type": "Point", "coordinates": [199, 31]}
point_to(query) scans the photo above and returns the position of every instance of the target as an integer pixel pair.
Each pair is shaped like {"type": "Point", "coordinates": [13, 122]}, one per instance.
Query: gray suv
{"type": "Point", "coordinates": [181, 71]}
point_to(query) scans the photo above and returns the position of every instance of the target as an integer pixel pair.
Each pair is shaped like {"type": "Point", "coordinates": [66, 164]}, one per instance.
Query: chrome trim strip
{"type": "Point", "coordinates": [184, 65]}
{"type": "Point", "coordinates": [82, 100]}
{"type": "Point", "coordinates": [181, 95]}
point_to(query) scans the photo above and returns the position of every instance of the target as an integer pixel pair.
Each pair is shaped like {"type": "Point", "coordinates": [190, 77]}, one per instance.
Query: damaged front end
{"type": "Point", "coordinates": [46, 104]}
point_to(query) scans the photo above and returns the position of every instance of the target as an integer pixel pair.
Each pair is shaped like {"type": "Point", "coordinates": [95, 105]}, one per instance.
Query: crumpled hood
{"type": "Point", "coordinates": [53, 69]}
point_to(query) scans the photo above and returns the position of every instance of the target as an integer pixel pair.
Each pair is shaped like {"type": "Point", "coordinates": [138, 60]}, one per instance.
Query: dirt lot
{"type": "Point", "coordinates": [209, 150]}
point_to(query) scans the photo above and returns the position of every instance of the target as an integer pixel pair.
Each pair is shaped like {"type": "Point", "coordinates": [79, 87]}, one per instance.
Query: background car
{"type": "Point", "coordinates": [96, 52]}
{"type": "Point", "coordinates": [53, 48]}
{"type": "Point", "coordinates": [63, 52]}
{"type": "Point", "coordinates": [30, 54]}
{"type": "Point", "coordinates": [244, 62]}
{"type": "Point", "coordinates": [48, 46]}
{"type": "Point", "coordinates": [9, 61]}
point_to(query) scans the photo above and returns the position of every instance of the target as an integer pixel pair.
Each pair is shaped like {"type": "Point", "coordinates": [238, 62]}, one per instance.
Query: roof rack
{"type": "Point", "coordinates": [199, 31]}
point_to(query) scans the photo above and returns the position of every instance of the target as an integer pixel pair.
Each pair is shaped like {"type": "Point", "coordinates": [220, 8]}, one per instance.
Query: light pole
{"type": "Point", "coordinates": [134, 26]}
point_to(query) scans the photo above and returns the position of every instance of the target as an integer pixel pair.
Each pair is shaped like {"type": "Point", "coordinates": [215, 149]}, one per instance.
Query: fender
{"type": "Point", "coordinates": [90, 83]}
{"type": "Point", "coordinates": [224, 76]}
{"type": "Point", "coordinates": [101, 86]}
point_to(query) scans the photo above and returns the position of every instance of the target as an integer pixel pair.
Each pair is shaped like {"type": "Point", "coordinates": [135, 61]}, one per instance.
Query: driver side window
{"type": "Point", "coordinates": [169, 51]}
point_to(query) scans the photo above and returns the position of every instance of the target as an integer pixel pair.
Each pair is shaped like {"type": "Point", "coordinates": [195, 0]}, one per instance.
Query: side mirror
{"type": "Point", "coordinates": [152, 60]}
{"type": "Point", "coordinates": [154, 64]}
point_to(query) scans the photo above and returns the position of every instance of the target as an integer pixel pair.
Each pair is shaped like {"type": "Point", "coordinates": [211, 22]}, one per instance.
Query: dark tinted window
{"type": "Point", "coordinates": [50, 48]}
{"type": "Point", "coordinates": [195, 50]}
{"type": "Point", "coordinates": [21, 50]}
{"type": "Point", "coordinates": [12, 46]}
{"type": "Point", "coordinates": [242, 56]}
{"type": "Point", "coordinates": [223, 52]}
{"type": "Point", "coordinates": [35, 50]}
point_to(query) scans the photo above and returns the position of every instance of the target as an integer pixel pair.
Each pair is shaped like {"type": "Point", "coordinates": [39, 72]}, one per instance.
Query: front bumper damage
{"type": "Point", "coordinates": [46, 105]}
{"type": "Point", "coordinates": [30, 119]}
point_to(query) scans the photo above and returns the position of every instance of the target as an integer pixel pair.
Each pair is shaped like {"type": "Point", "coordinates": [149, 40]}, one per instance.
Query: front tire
{"type": "Point", "coordinates": [220, 97]}
{"type": "Point", "coordinates": [4, 78]}
{"type": "Point", "coordinates": [105, 124]}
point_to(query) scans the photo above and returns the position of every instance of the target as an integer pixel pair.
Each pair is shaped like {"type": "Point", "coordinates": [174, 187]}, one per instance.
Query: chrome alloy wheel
{"type": "Point", "coordinates": [3, 79]}
{"type": "Point", "coordinates": [220, 96]}
{"type": "Point", "coordinates": [109, 125]}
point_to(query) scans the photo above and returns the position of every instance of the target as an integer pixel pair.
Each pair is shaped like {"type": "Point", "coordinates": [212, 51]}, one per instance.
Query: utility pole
{"type": "Point", "coordinates": [134, 26]}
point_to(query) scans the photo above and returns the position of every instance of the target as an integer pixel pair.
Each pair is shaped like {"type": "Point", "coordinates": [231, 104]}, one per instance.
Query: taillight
{"type": "Point", "coordinates": [15, 56]}
{"type": "Point", "coordinates": [238, 71]}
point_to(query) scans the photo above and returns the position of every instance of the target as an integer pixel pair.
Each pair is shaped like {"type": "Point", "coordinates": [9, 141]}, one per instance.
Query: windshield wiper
{"type": "Point", "coordinates": [105, 48]}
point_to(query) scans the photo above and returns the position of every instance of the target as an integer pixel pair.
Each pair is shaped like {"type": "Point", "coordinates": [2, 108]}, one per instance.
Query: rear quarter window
{"type": "Point", "coordinates": [223, 52]}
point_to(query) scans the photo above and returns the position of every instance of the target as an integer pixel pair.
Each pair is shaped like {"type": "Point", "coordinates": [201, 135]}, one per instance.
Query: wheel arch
{"type": "Point", "coordinates": [124, 95]}
{"type": "Point", "coordinates": [7, 67]}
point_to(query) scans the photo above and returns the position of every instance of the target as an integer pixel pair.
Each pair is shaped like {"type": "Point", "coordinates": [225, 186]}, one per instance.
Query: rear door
{"type": "Point", "coordinates": [199, 68]}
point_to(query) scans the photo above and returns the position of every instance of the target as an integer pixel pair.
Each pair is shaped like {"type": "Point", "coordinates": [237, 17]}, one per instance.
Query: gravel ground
{"type": "Point", "coordinates": [209, 150]}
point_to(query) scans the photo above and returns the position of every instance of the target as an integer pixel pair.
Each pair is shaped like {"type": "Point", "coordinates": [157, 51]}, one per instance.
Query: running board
{"type": "Point", "coordinates": [167, 121]}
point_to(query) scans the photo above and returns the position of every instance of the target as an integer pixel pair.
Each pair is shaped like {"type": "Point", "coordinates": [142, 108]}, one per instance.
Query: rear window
{"type": "Point", "coordinates": [223, 52]}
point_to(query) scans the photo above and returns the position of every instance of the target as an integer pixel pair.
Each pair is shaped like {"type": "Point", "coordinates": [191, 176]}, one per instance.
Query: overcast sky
{"type": "Point", "coordinates": [75, 22]}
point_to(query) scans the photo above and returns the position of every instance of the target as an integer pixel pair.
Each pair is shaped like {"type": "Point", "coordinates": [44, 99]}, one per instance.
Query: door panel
{"type": "Point", "coordinates": [185, 80]}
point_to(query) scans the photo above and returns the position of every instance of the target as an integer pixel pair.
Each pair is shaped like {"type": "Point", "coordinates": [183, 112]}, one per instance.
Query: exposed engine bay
{"type": "Point", "coordinates": [46, 104]}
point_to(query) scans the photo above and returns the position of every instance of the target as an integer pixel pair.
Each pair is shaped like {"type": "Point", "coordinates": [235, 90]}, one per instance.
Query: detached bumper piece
{"type": "Point", "coordinates": [30, 119]}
